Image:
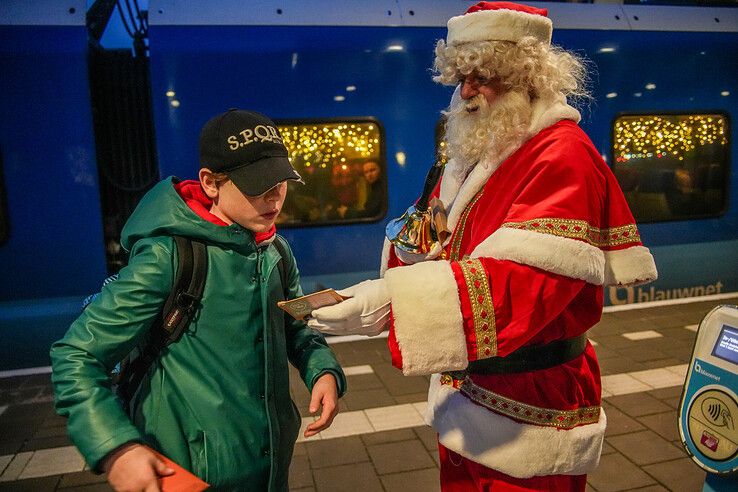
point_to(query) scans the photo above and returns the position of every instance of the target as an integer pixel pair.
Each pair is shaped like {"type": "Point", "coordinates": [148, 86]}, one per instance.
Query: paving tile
{"type": "Point", "coordinates": [607, 449]}
{"type": "Point", "coordinates": [614, 341]}
{"type": "Point", "coordinates": [26, 412]}
{"type": "Point", "coordinates": [397, 417]}
{"type": "Point", "coordinates": [31, 485]}
{"type": "Point", "coordinates": [16, 431]}
{"type": "Point", "coordinates": [645, 447]}
{"type": "Point", "coordinates": [364, 382]}
{"type": "Point", "coordinates": [677, 475]}
{"type": "Point", "coordinates": [389, 436]}
{"type": "Point", "coordinates": [358, 370]}
{"type": "Point", "coordinates": [428, 436]}
{"type": "Point", "coordinates": [412, 398]}
{"type": "Point", "coordinates": [53, 461]}
{"type": "Point", "coordinates": [659, 363]}
{"type": "Point", "coordinates": [348, 424]}
{"type": "Point", "coordinates": [653, 488]}
{"type": "Point", "coordinates": [621, 384]}
{"type": "Point", "coordinates": [664, 393]}
{"type": "Point", "coordinates": [45, 431]}
{"type": "Point", "coordinates": [81, 478]}
{"type": "Point", "coordinates": [46, 443]}
{"type": "Point", "coordinates": [300, 474]}
{"type": "Point", "coordinates": [10, 447]}
{"type": "Point", "coordinates": [664, 424]}
{"type": "Point", "coordinates": [619, 365]}
{"type": "Point", "coordinates": [619, 423]}
{"type": "Point", "coordinates": [397, 384]}
{"type": "Point", "coordinates": [414, 481]}
{"type": "Point", "coordinates": [658, 378]}
{"type": "Point", "coordinates": [400, 456]}
{"type": "Point", "coordinates": [616, 473]}
{"type": "Point", "coordinates": [359, 400]}
{"type": "Point", "coordinates": [643, 355]}
{"type": "Point", "coordinates": [4, 462]}
{"type": "Point", "coordinates": [334, 452]}
{"type": "Point", "coordinates": [638, 404]}
{"type": "Point", "coordinates": [348, 478]}
{"type": "Point", "coordinates": [642, 335]}
{"type": "Point", "coordinates": [16, 466]}
{"type": "Point", "coordinates": [299, 449]}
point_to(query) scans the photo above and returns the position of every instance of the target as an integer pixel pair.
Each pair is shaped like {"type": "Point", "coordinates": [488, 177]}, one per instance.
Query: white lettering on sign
{"type": "Point", "coordinates": [629, 295]}
{"type": "Point", "coordinates": [247, 136]}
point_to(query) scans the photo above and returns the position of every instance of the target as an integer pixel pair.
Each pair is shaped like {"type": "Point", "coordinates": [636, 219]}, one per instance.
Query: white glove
{"type": "Point", "coordinates": [367, 312]}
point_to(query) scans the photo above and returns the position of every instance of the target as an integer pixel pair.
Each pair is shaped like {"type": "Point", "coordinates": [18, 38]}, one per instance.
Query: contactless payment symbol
{"type": "Point", "coordinates": [717, 413]}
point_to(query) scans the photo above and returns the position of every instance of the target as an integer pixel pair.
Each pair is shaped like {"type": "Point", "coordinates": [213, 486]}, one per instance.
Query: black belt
{"type": "Point", "coordinates": [532, 358]}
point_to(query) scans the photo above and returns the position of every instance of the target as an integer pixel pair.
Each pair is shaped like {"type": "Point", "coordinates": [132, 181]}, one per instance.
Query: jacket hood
{"type": "Point", "coordinates": [163, 212]}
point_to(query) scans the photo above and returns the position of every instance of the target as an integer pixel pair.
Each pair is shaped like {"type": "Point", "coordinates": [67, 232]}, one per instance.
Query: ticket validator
{"type": "Point", "coordinates": [708, 413]}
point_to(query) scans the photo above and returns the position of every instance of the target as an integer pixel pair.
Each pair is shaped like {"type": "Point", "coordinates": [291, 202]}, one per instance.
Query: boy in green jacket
{"type": "Point", "coordinates": [216, 401]}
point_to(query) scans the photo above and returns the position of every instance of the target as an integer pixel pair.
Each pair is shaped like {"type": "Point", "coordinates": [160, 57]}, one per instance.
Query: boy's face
{"type": "Point", "coordinates": [256, 213]}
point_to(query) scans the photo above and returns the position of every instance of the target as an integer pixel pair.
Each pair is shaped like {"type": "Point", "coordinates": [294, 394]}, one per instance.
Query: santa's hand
{"type": "Point", "coordinates": [367, 312]}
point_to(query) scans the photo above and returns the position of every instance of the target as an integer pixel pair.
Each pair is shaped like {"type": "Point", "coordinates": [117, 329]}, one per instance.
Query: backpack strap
{"type": "Point", "coordinates": [186, 294]}
{"type": "Point", "coordinates": [176, 314]}
{"type": "Point", "coordinates": [282, 250]}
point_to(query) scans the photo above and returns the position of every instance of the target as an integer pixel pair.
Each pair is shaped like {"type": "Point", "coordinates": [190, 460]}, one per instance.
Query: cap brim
{"type": "Point", "coordinates": [258, 177]}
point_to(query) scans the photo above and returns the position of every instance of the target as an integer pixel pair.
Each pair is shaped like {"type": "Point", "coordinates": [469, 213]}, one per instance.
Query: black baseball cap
{"type": "Point", "coordinates": [248, 148]}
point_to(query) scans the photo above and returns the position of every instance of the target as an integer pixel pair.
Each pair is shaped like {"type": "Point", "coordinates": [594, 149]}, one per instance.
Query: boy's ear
{"type": "Point", "coordinates": [207, 181]}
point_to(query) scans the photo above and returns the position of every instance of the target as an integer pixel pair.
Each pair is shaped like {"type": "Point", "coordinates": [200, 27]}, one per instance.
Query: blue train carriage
{"type": "Point", "coordinates": [349, 84]}
{"type": "Point", "coordinates": [342, 74]}
{"type": "Point", "coordinates": [51, 238]}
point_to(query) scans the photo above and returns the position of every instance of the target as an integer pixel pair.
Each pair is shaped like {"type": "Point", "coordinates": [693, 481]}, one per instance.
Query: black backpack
{"type": "Point", "coordinates": [176, 313]}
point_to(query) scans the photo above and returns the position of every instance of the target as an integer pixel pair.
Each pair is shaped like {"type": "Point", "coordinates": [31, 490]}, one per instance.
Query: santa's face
{"type": "Point", "coordinates": [473, 85]}
{"type": "Point", "coordinates": [484, 119]}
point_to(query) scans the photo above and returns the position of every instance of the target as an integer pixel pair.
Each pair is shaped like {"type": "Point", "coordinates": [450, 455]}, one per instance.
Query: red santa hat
{"type": "Point", "coordinates": [499, 21]}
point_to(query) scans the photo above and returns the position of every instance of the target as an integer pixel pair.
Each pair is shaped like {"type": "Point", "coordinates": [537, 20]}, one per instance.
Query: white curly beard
{"type": "Point", "coordinates": [481, 135]}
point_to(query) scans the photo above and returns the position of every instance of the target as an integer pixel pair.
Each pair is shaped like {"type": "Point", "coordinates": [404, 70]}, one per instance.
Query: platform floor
{"type": "Point", "coordinates": [379, 442]}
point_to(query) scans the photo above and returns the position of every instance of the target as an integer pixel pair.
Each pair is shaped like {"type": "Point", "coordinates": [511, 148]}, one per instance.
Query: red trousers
{"type": "Point", "coordinates": [459, 474]}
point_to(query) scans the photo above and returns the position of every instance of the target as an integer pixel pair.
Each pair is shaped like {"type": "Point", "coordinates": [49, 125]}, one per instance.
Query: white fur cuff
{"type": "Point", "coordinates": [427, 318]}
{"type": "Point", "coordinates": [563, 256]}
{"type": "Point", "coordinates": [631, 266]}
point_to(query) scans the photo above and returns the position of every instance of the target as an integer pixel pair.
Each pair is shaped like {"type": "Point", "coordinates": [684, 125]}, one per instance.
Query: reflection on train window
{"type": "Point", "coordinates": [672, 166]}
{"type": "Point", "coordinates": [344, 170]}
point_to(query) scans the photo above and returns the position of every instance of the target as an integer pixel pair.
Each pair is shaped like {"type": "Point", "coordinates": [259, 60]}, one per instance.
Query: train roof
{"type": "Point", "coordinates": [379, 13]}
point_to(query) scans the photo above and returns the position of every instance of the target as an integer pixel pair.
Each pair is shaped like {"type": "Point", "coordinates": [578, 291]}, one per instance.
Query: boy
{"type": "Point", "coordinates": [217, 401]}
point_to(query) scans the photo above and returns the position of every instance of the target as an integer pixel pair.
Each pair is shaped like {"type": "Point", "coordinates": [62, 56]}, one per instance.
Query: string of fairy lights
{"type": "Point", "coordinates": [321, 145]}
{"type": "Point", "coordinates": [639, 137]}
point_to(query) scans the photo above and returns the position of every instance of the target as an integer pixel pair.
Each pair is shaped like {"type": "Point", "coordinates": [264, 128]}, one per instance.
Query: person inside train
{"type": "Point", "coordinates": [537, 227]}
{"type": "Point", "coordinates": [216, 401]}
{"type": "Point", "coordinates": [376, 189]}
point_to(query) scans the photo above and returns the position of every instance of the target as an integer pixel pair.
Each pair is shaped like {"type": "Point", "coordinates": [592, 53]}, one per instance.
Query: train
{"type": "Point", "coordinates": [85, 131]}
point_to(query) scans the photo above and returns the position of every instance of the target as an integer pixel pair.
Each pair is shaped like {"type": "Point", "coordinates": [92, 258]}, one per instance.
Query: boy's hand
{"type": "Point", "coordinates": [132, 467]}
{"type": "Point", "coordinates": [324, 393]}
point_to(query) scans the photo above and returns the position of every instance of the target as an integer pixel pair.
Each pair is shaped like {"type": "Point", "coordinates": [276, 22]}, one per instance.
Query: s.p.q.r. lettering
{"type": "Point", "coordinates": [259, 133]}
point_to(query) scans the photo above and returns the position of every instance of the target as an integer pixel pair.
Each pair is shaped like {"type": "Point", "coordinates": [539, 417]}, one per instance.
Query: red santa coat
{"type": "Point", "coordinates": [535, 237]}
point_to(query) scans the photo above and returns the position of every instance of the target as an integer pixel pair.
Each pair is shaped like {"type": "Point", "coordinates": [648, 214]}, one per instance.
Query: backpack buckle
{"type": "Point", "coordinates": [186, 300]}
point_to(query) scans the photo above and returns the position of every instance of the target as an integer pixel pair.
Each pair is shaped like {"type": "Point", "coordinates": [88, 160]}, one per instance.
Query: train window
{"type": "Point", "coordinates": [343, 166]}
{"type": "Point", "coordinates": [672, 166]}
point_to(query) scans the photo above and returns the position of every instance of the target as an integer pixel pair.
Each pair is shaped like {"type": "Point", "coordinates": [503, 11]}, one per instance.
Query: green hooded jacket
{"type": "Point", "coordinates": [217, 401]}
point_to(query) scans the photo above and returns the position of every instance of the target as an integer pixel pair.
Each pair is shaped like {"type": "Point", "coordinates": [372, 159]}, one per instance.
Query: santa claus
{"type": "Point", "coordinates": [498, 312]}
